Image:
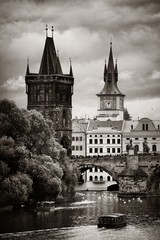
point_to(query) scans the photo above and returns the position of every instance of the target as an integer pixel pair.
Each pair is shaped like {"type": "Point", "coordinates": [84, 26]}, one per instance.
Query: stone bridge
{"type": "Point", "coordinates": [132, 173]}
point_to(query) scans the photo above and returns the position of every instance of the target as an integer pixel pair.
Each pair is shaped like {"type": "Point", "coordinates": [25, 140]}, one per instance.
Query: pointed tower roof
{"type": "Point", "coordinates": [110, 61]}
{"type": "Point", "coordinates": [70, 72]}
{"type": "Point", "coordinates": [111, 77]}
{"type": "Point", "coordinates": [50, 63]}
{"type": "Point", "coordinates": [27, 70]}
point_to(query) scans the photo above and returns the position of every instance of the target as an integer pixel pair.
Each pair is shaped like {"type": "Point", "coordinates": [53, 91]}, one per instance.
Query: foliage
{"type": "Point", "coordinates": [32, 164]}
{"type": "Point", "coordinates": [154, 181]}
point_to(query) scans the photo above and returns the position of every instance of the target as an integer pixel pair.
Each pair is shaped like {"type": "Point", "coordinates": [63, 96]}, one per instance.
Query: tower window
{"type": "Point", "coordinates": [64, 118]}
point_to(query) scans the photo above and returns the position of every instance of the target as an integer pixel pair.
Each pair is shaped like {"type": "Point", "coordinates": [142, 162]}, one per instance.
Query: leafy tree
{"type": "Point", "coordinates": [15, 189]}
{"type": "Point", "coordinates": [32, 163]}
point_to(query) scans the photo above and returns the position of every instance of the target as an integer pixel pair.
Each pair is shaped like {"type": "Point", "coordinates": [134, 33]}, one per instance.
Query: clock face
{"type": "Point", "coordinates": [108, 104]}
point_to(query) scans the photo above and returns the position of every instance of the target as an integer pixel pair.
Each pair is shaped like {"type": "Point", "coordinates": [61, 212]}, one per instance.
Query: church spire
{"type": "Point", "coordinates": [110, 64]}
{"type": "Point", "coordinates": [27, 70]}
{"type": "Point", "coordinates": [71, 72]}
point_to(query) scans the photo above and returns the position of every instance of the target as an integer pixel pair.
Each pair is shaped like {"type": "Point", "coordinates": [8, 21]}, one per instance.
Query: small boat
{"type": "Point", "coordinates": [45, 206]}
{"type": "Point", "coordinates": [114, 220]}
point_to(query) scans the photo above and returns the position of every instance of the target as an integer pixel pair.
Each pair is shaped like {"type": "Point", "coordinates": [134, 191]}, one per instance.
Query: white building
{"type": "Point", "coordinates": [104, 138]}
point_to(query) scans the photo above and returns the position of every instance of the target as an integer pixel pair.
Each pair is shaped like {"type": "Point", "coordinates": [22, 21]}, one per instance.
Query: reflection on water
{"type": "Point", "coordinates": [80, 214]}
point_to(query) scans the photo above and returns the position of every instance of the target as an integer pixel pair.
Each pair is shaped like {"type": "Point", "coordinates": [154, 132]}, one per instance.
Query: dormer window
{"type": "Point", "coordinates": [145, 126]}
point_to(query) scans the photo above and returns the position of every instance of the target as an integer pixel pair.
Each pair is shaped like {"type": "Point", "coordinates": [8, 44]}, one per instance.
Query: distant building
{"type": "Point", "coordinates": [104, 138]}
{"type": "Point", "coordinates": [144, 134]}
{"type": "Point", "coordinates": [113, 131]}
{"type": "Point", "coordinates": [50, 92]}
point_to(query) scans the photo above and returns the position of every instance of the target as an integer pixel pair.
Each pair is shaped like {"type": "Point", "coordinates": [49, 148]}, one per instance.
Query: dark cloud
{"type": "Point", "coordinates": [83, 30]}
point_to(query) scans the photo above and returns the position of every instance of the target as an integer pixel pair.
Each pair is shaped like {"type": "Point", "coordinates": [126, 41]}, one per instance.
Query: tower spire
{"type": "Point", "coordinates": [71, 72]}
{"type": "Point", "coordinates": [52, 31]}
{"type": "Point", "coordinates": [46, 30]}
{"type": "Point", "coordinates": [27, 70]}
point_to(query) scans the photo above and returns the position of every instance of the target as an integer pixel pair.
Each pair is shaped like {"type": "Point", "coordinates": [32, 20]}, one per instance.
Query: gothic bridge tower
{"type": "Point", "coordinates": [111, 99]}
{"type": "Point", "coordinates": [50, 92]}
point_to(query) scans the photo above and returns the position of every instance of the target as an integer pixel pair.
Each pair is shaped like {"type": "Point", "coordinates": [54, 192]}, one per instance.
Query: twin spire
{"type": "Point", "coordinates": [52, 29]}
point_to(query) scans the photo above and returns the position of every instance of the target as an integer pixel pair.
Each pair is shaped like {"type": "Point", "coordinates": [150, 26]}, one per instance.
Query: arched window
{"type": "Point", "coordinates": [96, 178]}
{"type": "Point", "coordinates": [137, 148]}
{"type": "Point", "coordinates": [131, 126]}
{"type": "Point", "coordinates": [154, 148]}
{"type": "Point", "coordinates": [127, 147]}
{"type": "Point", "coordinates": [91, 178]}
{"type": "Point", "coordinates": [101, 178]}
{"type": "Point", "coordinates": [108, 178]}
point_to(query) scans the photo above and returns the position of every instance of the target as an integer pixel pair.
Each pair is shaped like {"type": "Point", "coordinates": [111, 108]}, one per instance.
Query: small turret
{"type": "Point", "coordinates": [105, 71]}
{"type": "Point", "coordinates": [116, 71]}
{"type": "Point", "coordinates": [71, 72]}
{"type": "Point", "coordinates": [27, 70]}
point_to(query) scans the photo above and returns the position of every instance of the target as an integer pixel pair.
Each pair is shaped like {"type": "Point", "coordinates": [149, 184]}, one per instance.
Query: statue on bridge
{"type": "Point", "coordinates": [131, 149]}
{"type": "Point", "coordinates": [145, 147]}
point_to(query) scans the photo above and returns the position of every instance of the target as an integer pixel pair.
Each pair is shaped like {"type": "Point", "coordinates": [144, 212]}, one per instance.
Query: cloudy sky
{"type": "Point", "coordinates": [83, 30]}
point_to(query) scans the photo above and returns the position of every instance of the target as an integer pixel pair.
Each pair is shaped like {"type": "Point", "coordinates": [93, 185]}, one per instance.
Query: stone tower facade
{"type": "Point", "coordinates": [50, 92]}
{"type": "Point", "coordinates": [111, 100]}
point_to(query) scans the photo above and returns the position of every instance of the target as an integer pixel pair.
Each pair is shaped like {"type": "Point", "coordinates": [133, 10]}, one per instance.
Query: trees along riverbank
{"type": "Point", "coordinates": [32, 164]}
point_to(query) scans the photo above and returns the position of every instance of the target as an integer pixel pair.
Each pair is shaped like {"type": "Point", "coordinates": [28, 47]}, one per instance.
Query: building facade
{"type": "Point", "coordinates": [50, 92]}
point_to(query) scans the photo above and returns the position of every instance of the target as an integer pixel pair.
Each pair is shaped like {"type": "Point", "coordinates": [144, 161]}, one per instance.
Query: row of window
{"type": "Point", "coordinates": [96, 169]}
{"type": "Point", "coordinates": [104, 136]}
{"type": "Point", "coordinates": [138, 138]}
{"type": "Point", "coordinates": [76, 138]}
{"type": "Point", "coordinates": [101, 150]}
{"type": "Point", "coordinates": [77, 148]}
{"type": "Point", "coordinates": [109, 141]}
{"type": "Point", "coordinates": [91, 178]}
{"type": "Point", "coordinates": [109, 150]}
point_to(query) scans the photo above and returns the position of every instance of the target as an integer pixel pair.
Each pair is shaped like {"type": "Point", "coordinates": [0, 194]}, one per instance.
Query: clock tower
{"type": "Point", "coordinates": [111, 100]}
{"type": "Point", "coordinates": [50, 92]}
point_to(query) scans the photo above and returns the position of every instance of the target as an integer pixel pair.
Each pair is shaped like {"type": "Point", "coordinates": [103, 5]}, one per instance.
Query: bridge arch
{"type": "Point", "coordinates": [84, 167]}
{"type": "Point", "coordinates": [101, 178]}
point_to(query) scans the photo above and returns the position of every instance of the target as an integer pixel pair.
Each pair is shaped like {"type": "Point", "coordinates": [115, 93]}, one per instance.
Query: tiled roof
{"type": "Point", "coordinates": [95, 124]}
{"type": "Point", "coordinates": [79, 127]}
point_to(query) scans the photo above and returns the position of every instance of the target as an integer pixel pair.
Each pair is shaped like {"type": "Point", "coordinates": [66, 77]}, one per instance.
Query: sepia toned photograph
{"type": "Point", "coordinates": [79, 119]}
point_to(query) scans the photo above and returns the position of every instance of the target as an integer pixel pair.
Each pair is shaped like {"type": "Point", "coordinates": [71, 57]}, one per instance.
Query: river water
{"type": "Point", "coordinates": [76, 218]}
